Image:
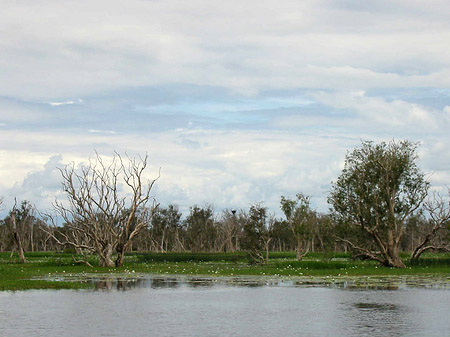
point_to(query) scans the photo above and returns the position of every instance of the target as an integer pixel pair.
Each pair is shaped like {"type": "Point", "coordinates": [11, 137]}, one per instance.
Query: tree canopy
{"type": "Point", "coordinates": [379, 187]}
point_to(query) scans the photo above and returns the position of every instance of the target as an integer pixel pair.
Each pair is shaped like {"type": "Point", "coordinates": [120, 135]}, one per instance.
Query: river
{"type": "Point", "coordinates": [172, 307]}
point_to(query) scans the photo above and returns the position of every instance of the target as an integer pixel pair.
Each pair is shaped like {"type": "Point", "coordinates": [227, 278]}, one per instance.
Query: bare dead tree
{"type": "Point", "coordinates": [438, 211]}
{"type": "Point", "coordinates": [228, 231]}
{"type": "Point", "coordinates": [67, 236]}
{"type": "Point", "coordinates": [108, 204]}
{"type": "Point", "coordinates": [17, 238]}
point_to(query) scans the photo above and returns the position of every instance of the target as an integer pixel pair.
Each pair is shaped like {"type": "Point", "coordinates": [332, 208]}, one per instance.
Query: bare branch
{"type": "Point", "coordinates": [98, 213]}
{"type": "Point", "coordinates": [363, 251]}
{"type": "Point", "coordinates": [438, 211]}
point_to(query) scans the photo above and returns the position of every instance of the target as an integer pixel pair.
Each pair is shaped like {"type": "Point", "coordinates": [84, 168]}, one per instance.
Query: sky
{"type": "Point", "coordinates": [236, 102]}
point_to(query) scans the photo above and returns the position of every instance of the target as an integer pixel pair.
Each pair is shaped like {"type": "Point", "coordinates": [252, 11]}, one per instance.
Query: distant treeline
{"type": "Point", "coordinates": [204, 230]}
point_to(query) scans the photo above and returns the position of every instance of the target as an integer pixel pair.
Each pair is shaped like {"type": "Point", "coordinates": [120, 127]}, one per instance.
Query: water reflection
{"type": "Point", "coordinates": [200, 283]}
{"type": "Point", "coordinates": [156, 282]}
{"type": "Point", "coordinates": [376, 306]}
{"type": "Point", "coordinates": [123, 284]}
{"type": "Point", "coordinates": [159, 282]}
{"type": "Point", "coordinates": [120, 282]}
{"type": "Point", "coordinates": [367, 316]}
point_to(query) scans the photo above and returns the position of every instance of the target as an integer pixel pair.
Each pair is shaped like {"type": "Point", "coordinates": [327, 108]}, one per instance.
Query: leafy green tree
{"type": "Point", "coordinates": [282, 238]}
{"type": "Point", "coordinates": [378, 189]}
{"type": "Point", "coordinates": [256, 234]}
{"type": "Point", "coordinates": [324, 232]}
{"type": "Point", "coordinates": [167, 229]}
{"type": "Point", "coordinates": [300, 218]}
{"type": "Point", "coordinates": [200, 228]}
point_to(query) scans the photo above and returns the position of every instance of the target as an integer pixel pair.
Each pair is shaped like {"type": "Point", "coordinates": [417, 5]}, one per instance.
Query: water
{"type": "Point", "coordinates": [199, 307]}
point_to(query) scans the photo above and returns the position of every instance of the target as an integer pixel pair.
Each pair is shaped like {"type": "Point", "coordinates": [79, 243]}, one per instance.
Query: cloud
{"type": "Point", "coordinates": [78, 101]}
{"type": "Point", "coordinates": [395, 115]}
{"type": "Point", "coordinates": [101, 131]}
{"type": "Point", "coordinates": [39, 186]}
{"type": "Point", "coordinates": [245, 47]}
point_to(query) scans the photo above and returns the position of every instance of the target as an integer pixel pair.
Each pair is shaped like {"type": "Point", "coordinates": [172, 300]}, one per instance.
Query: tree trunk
{"type": "Point", "coordinates": [396, 262]}
{"type": "Point", "coordinates": [19, 248]}
{"type": "Point", "coordinates": [32, 237]}
{"type": "Point", "coordinates": [17, 239]}
{"type": "Point", "coordinates": [255, 256]}
{"type": "Point", "coordinates": [267, 250]}
{"type": "Point", "coordinates": [121, 249]}
{"type": "Point", "coordinates": [107, 262]}
{"type": "Point", "coordinates": [106, 257]}
{"type": "Point", "coordinates": [119, 260]}
{"type": "Point", "coordinates": [299, 249]}
{"type": "Point", "coordinates": [393, 251]}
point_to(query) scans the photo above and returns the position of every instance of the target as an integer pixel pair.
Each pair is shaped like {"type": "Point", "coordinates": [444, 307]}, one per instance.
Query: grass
{"type": "Point", "coordinates": [190, 257]}
{"type": "Point", "coordinates": [31, 275]}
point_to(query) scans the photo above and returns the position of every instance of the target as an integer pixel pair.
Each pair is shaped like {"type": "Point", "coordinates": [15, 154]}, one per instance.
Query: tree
{"type": "Point", "coordinates": [324, 232]}
{"type": "Point", "coordinates": [282, 238]}
{"type": "Point", "coordinates": [437, 236]}
{"type": "Point", "coordinates": [166, 229]}
{"type": "Point", "coordinates": [20, 231]}
{"type": "Point", "coordinates": [416, 228]}
{"type": "Point", "coordinates": [200, 228]}
{"type": "Point", "coordinates": [256, 235]}
{"type": "Point", "coordinates": [107, 206]}
{"type": "Point", "coordinates": [22, 222]}
{"type": "Point", "coordinates": [378, 189]}
{"type": "Point", "coordinates": [300, 217]}
{"type": "Point", "coordinates": [228, 231]}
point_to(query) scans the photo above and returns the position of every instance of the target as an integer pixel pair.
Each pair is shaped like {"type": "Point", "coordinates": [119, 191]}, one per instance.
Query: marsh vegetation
{"type": "Point", "coordinates": [58, 271]}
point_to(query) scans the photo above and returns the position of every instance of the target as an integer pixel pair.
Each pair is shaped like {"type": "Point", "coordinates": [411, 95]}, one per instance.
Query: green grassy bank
{"type": "Point", "coordinates": [31, 275]}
